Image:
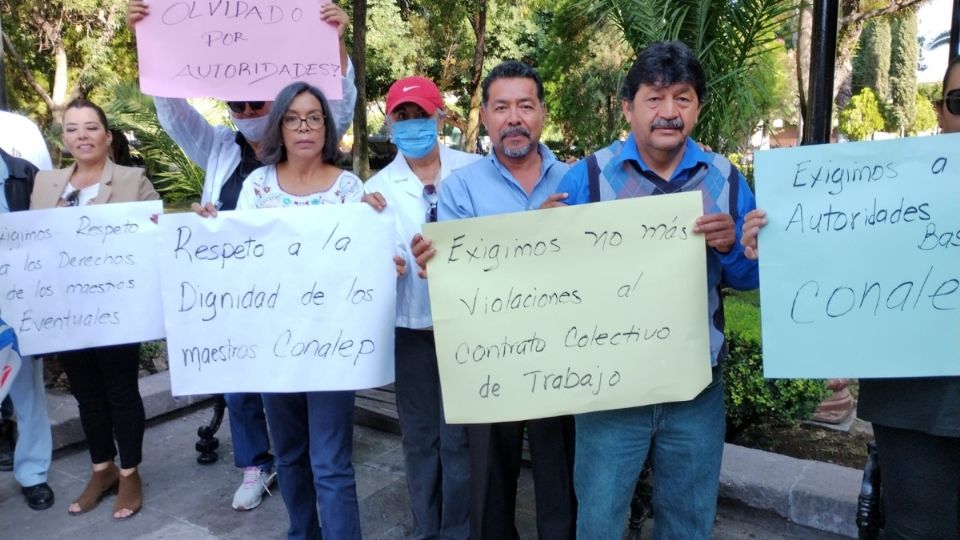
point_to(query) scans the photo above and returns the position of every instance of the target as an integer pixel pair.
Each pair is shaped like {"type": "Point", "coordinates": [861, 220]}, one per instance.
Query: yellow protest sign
{"type": "Point", "coordinates": [578, 309]}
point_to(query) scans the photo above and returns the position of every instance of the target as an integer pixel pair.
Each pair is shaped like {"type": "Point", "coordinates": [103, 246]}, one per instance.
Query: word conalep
{"type": "Point", "coordinates": [822, 300]}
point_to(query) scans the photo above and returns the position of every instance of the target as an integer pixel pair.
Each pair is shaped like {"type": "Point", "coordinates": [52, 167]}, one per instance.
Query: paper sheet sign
{"type": "Point", "coordinates": [586, 308]}
{"type": "Point", "coordinates": [860, 260]}
{"type": "Point", "coordinates": [236, 50]}
{"type": "Point", "coordinates": [80, 277]}
{"type": "Point", "coordinates": [279, 300]}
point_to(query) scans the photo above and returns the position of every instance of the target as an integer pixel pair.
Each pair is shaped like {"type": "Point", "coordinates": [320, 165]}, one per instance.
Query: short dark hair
{"type": "Point", "coordinates": [665, 63]}
{"type": "Point", "coordinates": [511, 69]}
{"type": "Point", "coordinates": [84, 103]}
{"type": "Point", "coordinates": [954, 62]}
{"type": "Point", "coordinates": [272, 150]}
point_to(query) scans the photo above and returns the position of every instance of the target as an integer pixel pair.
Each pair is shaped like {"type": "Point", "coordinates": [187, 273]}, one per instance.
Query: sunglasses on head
{"type": "Point", "coordinates": [951, 101]}
{"type": "Point", "coordinates": [240, 106]}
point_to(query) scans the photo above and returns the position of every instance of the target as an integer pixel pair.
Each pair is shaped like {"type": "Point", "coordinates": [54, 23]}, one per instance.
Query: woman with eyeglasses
{"type": "Point", "coordinates": [312, 431]}
{"type": "Point", "coordinates": [916, 421]}
{"type": "Point", "coordinates": [435, 454]}
{"type": "Point", "coordinates": [102, 379]}
{"type": "Point", "coordinates": [228, 156]}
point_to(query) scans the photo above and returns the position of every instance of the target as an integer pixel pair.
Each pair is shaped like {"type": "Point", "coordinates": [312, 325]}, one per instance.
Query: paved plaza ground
{"type": "Point", "coordinates": [185, 501]}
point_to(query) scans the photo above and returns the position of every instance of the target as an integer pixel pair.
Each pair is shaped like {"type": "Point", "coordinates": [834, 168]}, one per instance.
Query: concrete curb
{"type": "Point", "coordinates": [809, 493]}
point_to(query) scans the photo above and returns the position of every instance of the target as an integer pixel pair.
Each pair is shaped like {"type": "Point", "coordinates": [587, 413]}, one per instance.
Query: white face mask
{"type": "Point", "coordinates": [253, 129]}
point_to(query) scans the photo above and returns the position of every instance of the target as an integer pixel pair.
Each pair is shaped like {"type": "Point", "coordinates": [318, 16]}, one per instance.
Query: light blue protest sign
{"type": "Point", "coordinates": [860, 259]}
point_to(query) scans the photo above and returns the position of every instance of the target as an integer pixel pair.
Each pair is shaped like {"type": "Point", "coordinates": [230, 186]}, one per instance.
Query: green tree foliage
{"type": "Point", "coordinates": [861, 118]}
{"type": "Point", "coordinates": [60, 49]}
{"type": "Point", "coordinates": [391, 52]}
{"type": "Point", "coordinates": [871, 65]}
{"type": "Point", "coordinates": [903, 71]}
{"type": "Point", "coordinates": [729, 36]}
{"type": "Point", "coordinates": [925, 119]}
{"type": "Point", "coordinates": [174, 175]}
{"type": "Point", "coordinates": [582, 69]}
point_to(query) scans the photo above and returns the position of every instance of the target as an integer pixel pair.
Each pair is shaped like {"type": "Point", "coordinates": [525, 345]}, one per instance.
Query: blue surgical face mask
{"type": "Point", "coordinates": [415, 138]}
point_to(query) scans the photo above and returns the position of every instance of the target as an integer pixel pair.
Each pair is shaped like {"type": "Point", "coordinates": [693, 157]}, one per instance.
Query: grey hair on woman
{"type": "Point", "coordinates": [272, 150]}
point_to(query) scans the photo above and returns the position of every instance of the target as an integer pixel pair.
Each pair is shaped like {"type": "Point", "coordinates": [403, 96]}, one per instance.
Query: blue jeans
{"type": "Point", "coordinates": [313, 438]}
{"type": "Point", "coordinates": [435, 453]}
{"type": "Point", "coordinates": [685, 442]}
{"type": "Point", "coordinates": [31, 456]}
{"type": "Point", "coordinates": [248, 431]}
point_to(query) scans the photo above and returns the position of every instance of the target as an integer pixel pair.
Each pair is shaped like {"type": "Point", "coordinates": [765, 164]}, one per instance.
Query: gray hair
{"type": "Point", "coordinates": [271, 147]}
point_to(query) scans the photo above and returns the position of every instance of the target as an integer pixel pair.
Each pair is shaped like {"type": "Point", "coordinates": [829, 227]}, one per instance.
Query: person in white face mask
{"type": "Point", "coordinates": [227, 157]}
{"type": "Point", "coordinates": [435, 453]}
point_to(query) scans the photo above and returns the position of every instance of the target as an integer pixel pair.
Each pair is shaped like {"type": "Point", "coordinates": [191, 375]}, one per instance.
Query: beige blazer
{"type": "Point", "coordinates": [117, 184]}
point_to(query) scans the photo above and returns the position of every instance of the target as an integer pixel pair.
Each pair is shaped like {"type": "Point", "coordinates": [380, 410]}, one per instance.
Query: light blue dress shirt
{"type": "Point", "coordinates": [486, 187]}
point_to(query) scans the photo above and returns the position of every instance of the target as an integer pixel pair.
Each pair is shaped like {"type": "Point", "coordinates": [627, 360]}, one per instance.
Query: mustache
{"type": "Point", "coordinates": [514, 131]}
{"type": "Point", "coordinates": [662, 123]}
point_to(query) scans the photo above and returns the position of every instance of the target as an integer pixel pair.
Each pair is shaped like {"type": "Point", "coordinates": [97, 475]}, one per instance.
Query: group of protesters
{"type": "Point", "coordinates": [461, 479]}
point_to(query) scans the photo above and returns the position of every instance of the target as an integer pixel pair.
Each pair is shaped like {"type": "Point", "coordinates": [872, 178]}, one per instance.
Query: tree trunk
{"type": "Point", "coordinates": [361, 146]}
{"type": "Point", "coordinates": [479, 24]}
{"type": "Point", "coordinates": [60, 76]}
{"type": "Point", "coordinates": [804, 38]}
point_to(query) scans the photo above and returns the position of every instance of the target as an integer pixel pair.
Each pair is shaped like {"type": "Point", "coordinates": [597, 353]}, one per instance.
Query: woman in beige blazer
{"type": "Point", "coordinates": [102, 379]}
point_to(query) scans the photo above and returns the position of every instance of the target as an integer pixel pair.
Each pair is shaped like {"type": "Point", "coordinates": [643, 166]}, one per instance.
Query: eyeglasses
{"type": "Point", "coordinates": [240, 106]}
{"type": "Point", "coordinates": [72, 199]}
{"type": "Point", "coordinates": [293, 123]}
{"type": "Point", "coordinates": [430, 195]}
{"type": "Point", "coordinates": [951, 101]}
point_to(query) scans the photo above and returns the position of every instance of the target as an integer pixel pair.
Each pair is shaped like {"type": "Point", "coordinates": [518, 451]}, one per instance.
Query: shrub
{"type": "Point", "coordinates": [752, 399]}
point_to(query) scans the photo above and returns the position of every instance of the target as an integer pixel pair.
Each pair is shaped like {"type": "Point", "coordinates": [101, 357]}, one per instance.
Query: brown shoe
{"type": "Point", "coordinates": [130, 495]}
{"type": "Point", "coordinates": [101, 482]}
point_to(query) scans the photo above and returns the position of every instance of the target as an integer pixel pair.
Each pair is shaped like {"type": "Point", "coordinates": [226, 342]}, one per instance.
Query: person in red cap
{"type": "Point", "coordinates": [435, 453]}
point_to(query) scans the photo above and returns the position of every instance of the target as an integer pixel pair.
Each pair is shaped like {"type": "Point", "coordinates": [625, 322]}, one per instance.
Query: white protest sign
{"type": "Point", "coordinates": [80, 277]}
{"type": "Point", "coordinates": [279, 300]}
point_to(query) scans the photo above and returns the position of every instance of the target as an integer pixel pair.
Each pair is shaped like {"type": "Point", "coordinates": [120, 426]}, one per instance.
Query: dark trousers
{"type": "Point", "coordinates": [495, 452]}
{"type": "Point", "coordinates": [920, 478]}
{"type": "Point", "coordinates": [104, 382]}
{"type": "Point", "coordinates": [435, 453]}
{"type": "Point", "coordinates": [313, 439]}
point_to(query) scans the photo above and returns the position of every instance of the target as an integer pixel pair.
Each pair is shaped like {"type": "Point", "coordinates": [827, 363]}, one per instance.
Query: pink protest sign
{"type": "Point", "coordinates": [236, 50]}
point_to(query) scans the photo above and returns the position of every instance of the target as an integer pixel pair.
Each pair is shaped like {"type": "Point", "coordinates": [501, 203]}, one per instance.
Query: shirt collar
{"type": "Point", "coordinates": [692, 156]}
{"type": "Point", "coordinates": [547, 160]}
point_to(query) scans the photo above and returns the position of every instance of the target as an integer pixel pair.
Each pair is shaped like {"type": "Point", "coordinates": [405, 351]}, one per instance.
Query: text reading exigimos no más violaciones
{"type": "Point", "coordinates": [490, 256]}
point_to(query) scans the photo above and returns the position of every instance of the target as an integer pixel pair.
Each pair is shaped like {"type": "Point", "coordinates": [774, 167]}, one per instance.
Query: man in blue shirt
{"type": "Point", "coordinates": [661, 98]}
{"type": "Point", "coordinates": [518, 174]}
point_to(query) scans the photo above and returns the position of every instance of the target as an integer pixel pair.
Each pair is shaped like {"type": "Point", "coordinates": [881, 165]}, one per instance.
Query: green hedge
{"type": "Point", "coordinates": [750, 398]}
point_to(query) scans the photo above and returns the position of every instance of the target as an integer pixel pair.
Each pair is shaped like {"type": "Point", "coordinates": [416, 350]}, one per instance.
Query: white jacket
{"type": "Point", "coordinates": [215, 149]}
{"type": "Point", "coordinates": [404, 192]}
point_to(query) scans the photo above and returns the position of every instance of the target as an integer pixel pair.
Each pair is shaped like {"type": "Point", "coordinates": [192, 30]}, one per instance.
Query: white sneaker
{"type": "Point", "coordinates": [250, 493]}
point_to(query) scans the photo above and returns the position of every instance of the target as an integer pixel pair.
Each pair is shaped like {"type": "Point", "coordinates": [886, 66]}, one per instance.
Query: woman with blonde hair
{"type": "Point", "coordinates": [102, 379]}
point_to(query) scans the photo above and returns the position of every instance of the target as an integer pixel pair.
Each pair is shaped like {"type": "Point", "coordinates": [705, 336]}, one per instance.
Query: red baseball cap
{"type": "Point", "coordinates": [418, 90]}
